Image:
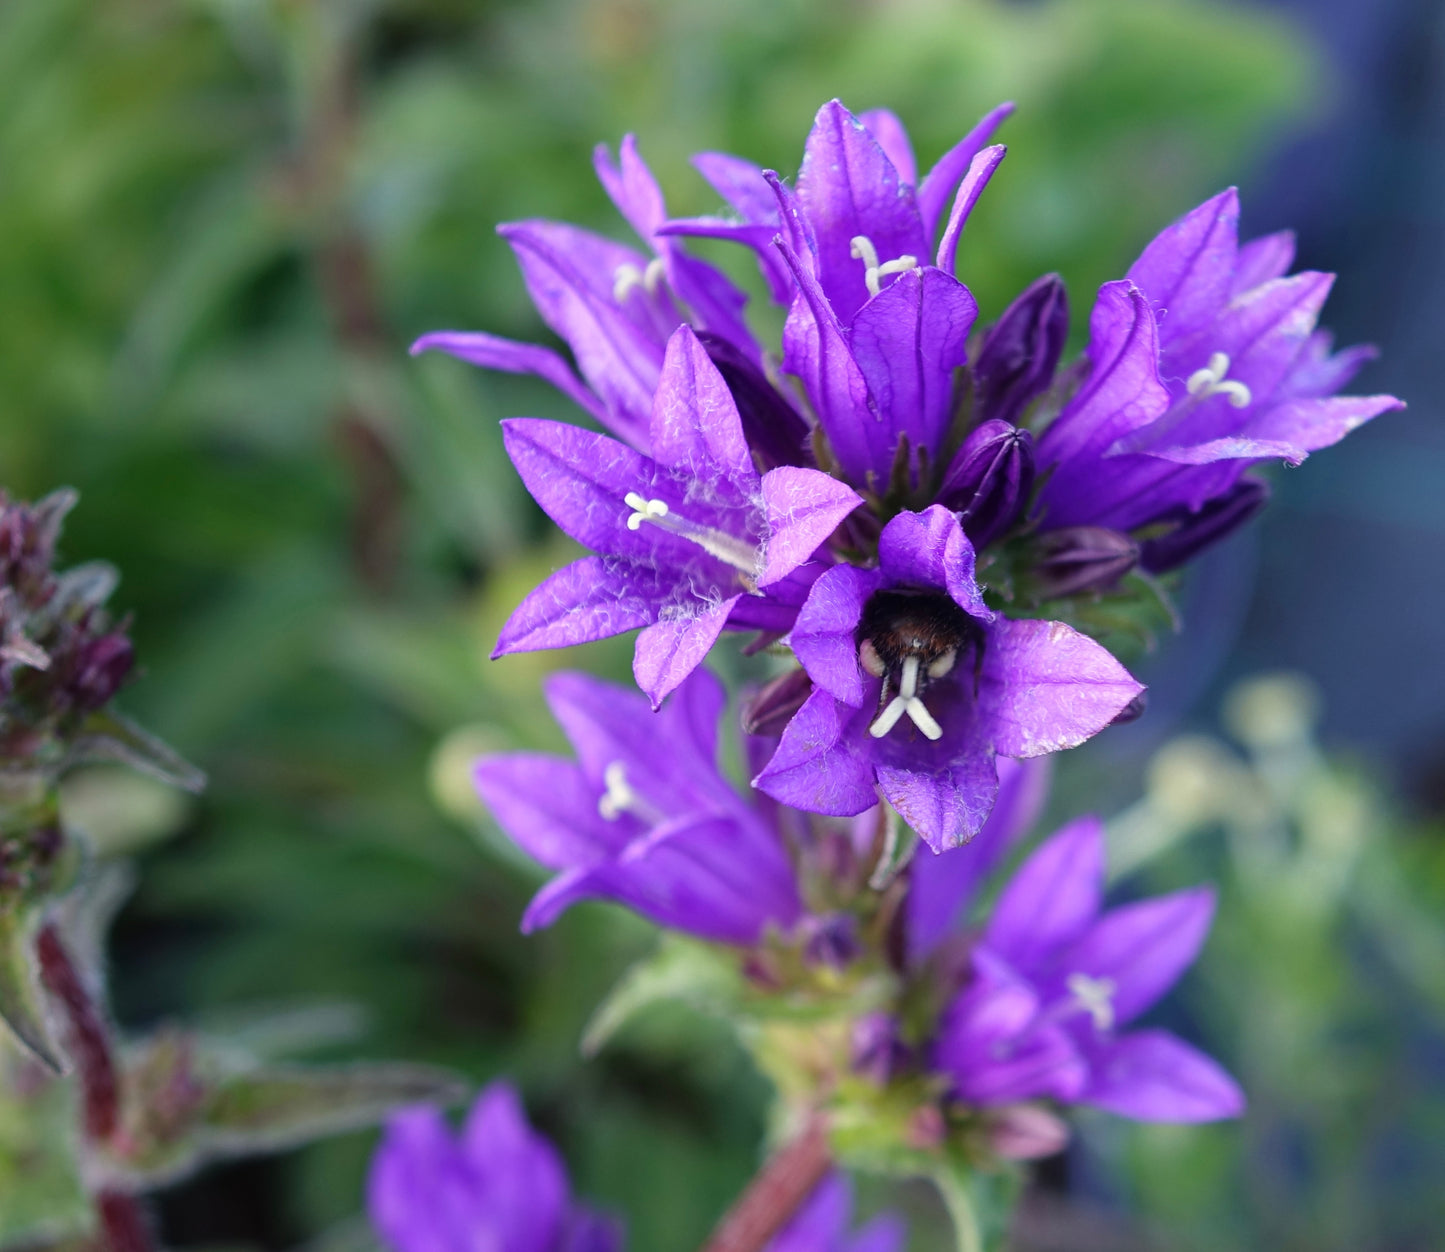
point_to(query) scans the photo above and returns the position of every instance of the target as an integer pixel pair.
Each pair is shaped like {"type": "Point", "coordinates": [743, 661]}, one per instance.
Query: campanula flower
{"type": "Point", "coordinates": [1053, 982]}
{"type": "Point", "coordinates": [687, 541]}
{"type": "Point", "coordinates": [1206, 359]}
{"type": "Point", "coordinates": [644, 816]}
{"type": "Point", "coordinates": [919, 686]}
{"type": "Point", "coordinates": [497, 1185]}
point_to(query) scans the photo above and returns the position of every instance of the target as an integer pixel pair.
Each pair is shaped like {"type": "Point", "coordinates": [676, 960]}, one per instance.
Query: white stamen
{"type": "Point", "coordinates": [888, 719]}
{"type": "Point", "coordinates": [1095, 996]}
{"type": "Point", "coordinates": [1212, 380]}
{"type": "Point", "coordinates": [741, 555]}
{"type": "Point", "coordinates": [861, 248]}
{"type": "Point", "coordinates": [627, 277]}
{"type": "Point", "coordinates": [643, 510]}
{"type": "Point", "coordinates": [908, 679]}
{"type": "Point", "coordinates": [906, 701]}
{"type": "Point", "coordinates": [619, 796]}
{"type": "Point", "coordinates": [923, 719]}
{"type": "Point", "coordinates": [653, 275]}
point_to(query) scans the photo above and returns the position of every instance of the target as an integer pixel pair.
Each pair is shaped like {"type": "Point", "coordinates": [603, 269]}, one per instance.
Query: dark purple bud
{"type": "Point", "coordinates": [103, 667]}
{"type": "Point", "coordinates": [1022, 349]}
{"type": "Point", "coordinates": [775, 431]}
{"type": "Point", "coordinates": [1079, 559]}
{"type": "Point", "coordinates": [1190, 533]}
{"type": "Point", "coordinates": [878, 1052]}
{"type": "Point", "coordinates": [1132, 711]}
{"type": "Point", "coordinates": [989, 480]}
{"type": "Point", "coordinates": [770, 708]}
{"type": "Point", "coordinates": [831, 940]}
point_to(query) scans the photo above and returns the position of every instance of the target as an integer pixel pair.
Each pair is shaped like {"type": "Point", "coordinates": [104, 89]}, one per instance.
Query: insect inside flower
{"type": "Point", "coordinates": [908, 639]}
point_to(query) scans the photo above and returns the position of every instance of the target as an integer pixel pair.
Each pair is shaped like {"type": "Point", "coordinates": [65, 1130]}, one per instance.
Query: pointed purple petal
{"type": "Point", "coordinates": [929, 549]}
{"type": "Point", "coordinates": [1143, 948]}
{"type": "Point", "coordinates": [758, 236]}
{"type": "Point", "coordinates": [1052, 897]}
{"type": "Point", "coordinates": [1259, 260]}
{"type": "Point", "coordinates": [821, 1224]}
{"type": "Point", "coordinates": [631, 187]}
{"type": "Point", "coordinates": [979, 172]}
{"type": "Point", "coordinates": [712, 301]}
{"type": "Point", "coordinates": [907, 341]}
{"type": "Point", "coordinates": [940, 181]}
{"type": "Point", "coordinates": [847, 187]}
{"type": "Point", "coordinates": [1152, 1076]}
{"type": "Point", "coordinates": [594, 598]}
{"type": "Point", "coordinates": [948, 806]}
{"type": "Point", "coordinates": [547, 808]}
{"type": "Point", "coordinates": [821, 765]}
{"type": "Point", "coordinates": [885, 126]}
{"type": "Point", "coordinates": [823, 637]}
{"type": "Point", "coordinates": [668, 651]}
{"type": "Point", "coordinates": [803, 507]}
{"type": "Point", "coordinates": [885, 1233]}
{"type": "Point", "coordinates": [1309, 425]}
{"type": "Point", "coordinates": [942, 886]}
{"type": "Point", "coordinates": [493, 353]}
{"type": "Point", "coordinates": [1188, 269]}
{"type": "Point", "coordinates": [695, 426]}
{"type": "Point", "coordinates": [741, 184]}
{"type": "Point", "coordinates": [1047, 687]}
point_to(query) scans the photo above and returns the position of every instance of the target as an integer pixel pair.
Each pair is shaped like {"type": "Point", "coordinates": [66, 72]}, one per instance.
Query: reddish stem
{"type": "Point", "coordinates": [123, 1223]}
{"type": "Point", "coordinates": [776, 1192]}
{"type": "Point", "coordinates": [87, 1039]}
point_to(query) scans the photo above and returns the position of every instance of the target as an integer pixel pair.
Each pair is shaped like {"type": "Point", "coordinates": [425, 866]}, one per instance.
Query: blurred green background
{"type": "Point", "coordinates": [221, 223]}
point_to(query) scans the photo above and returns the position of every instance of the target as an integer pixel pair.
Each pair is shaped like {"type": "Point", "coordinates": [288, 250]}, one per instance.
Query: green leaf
{"type": "Point", "coordinates": [108, 736]}
{"type": "Point", "coordinates": [678, 969]}
{"type": "Point", "coordinates": [21, 1006]}
{"type": "Point", "coordinates": [42, 1200]}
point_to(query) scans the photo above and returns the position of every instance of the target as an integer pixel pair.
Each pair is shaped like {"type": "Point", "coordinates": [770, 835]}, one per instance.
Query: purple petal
{"type": "Point", "coordinates": [414, 1168]}
{"type": "Point", "coordinates": [1143, 948]}
{"type": "Point", "coordinates": [757, 236]}
{"type": "Point", "coordinates": [821, 1224]}
{"type": "Point", "coordinates": [815, 349]}
{"type": "Point", "coordinates": [821, 765]}
{"type": "Point", "coordinates": [885, 126]}
{"type": "Point", "coordinates": [594, 598]}
{"type": "Point", "coordinates": [940, 181]}
{"type": "Point", "coordinates": [713, 302]}
{"type": "Point", "coordinates": [847, 187]}
{"type": "Point", "coordinates": [592, 1232]}
{"type": "Point", "coordinates": [527, 1188]}
{"type": "Point", "coordinates": [929, 549]}
{"type": "Point", "coordinates": [547, 808]}
{"type": "Point", "coordinates": [494, 353]}
{"type": "Point", "coordinates": [1152, 1076]}
{"type": "Point", "coordinates": [979, 172]}
{"type": "Point", "coordinates": [823, 636]}
{"type": "Point", "coordinates": [1259, 260]}
{"type": "Point", "coordinates": [1318, 373]}
{"type": "Point", "coordinates": [907, 341]}
{"type": "Point", "coordinates": [803, 507]}
{"type": "Point", "coordinates": [741, 184]}
{"type": "Point", "coordinates": [695, 426]}
{"type": "Point", "coordinates": [631, 187]}
{"type": "Point", "coordinates": [1052, 897]}
{"type": "Point", "coordinates": [668, 651]}
{"type": "Point", "coordinates": [776, 432]}
{"type": "Point", "coordinates": [1048, 687]}
{"type": "Point", "coordinates": [1263, 331]}
{"type": "Point", "coordinates": [942, 886]}
{"type": "Point", "coordinates": [1187, 271]}
{"type": "Point", "coordinates": [948, 806]}
{"type": "Point", "coordinates": [1309, 425]}
{"type": "Point", "coordinates": [885, 1233]}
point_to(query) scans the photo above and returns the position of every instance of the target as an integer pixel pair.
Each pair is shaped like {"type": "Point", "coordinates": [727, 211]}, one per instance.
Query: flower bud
{"type": "Point", "coordinates": [1190, 533]}
{"type": "Point", "coordinates": [1022, 349]}
{"type": "Point", "coordinates": [1025, 1132]}
{"type": "Point", "coordinates": [1077, 560]}
{"type": "Point", "coordinates": [774, 430]}
{"type": "Point", "coordinates": [102, 667]}
{"type": "Point", "coordinates": [769, 709]}
{"type": "Point", "coordinates": [831, 940]}
{"type": "Point", "coordinates": [878, 1052]}
{"type": "Point", "coordinates": [989, 480]}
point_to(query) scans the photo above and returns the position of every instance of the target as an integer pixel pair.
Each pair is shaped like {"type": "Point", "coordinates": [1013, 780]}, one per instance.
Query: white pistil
{"type": "Point", "coordinates": [1095, 996]}
{"type": "Point", "coordinates": [906, 701]}
{"type": "Point", "coordinates": [619, 797]}
{"type": "Point", "coordinates": [1212, 380]}
{"type": "Point", "coordinates": [735, 552]}
{"type": "Point", "coordinates": [627, 276]}
{"type": "Point", "coordinates": [861, 249]}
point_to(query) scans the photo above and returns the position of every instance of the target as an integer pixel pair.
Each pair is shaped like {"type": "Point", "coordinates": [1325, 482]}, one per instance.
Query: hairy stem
{"type": "Point", "coordinates": [778, 1190]}
{"type": "Point", "coordinates": [86, 1038]}
{"type": "Point", "coordinates": [122, 1223]}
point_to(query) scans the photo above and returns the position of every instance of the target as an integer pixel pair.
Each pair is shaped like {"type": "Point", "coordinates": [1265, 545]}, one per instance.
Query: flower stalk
{"type": "Point", "coordinates": [776, 1193]}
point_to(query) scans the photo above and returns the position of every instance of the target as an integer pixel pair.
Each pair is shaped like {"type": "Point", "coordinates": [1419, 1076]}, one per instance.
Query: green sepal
{"type": "Point", "coordinates": [43, 1202]}
{"type": "Point", "coordinates": [21, 1006]}
{"type": "Point", "coordinates": [106, 735]}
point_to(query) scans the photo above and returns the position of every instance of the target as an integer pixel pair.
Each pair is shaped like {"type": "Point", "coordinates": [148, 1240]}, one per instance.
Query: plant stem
{"type": "Point", "coordinates": [87, 1040]}
{"type": "Point", "coordinates": [122, 1223]}
{"type": "Point", "coordinates": [776, 1192]}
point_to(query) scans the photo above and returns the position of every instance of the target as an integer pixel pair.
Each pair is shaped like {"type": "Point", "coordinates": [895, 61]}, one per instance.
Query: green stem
{"type": "Point", "coordinates": [958, 1199]}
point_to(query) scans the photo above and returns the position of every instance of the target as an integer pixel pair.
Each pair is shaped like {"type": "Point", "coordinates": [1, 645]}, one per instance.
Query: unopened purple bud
{"type": "Point", "coordinates": [103, 666]}
{"type": "Point", "coordinates": [1022, 349]}
{"type": "Point", "coordinates": [989, 480]}
{"type": "Point", "coordinates": [831, 940]}
{"type": "Point", "coordinates": [878, 1052]}
{"type": "Point", "coordinates": [1132, 711]}
{"type": "Point", "coordinates": [769, 709]}
{"type": "Point", "coordinates": [1026, 1132]}
{"type": "Point", "coordinates": [774, 430]}
{"type": "Point", "coordinates": [1190, 533]}
{"type": "Point", "coordinates": [1079, 559]}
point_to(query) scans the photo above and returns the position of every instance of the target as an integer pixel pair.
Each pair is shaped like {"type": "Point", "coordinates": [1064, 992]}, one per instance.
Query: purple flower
{"type": "Point", "coordinates": [821, 1225]}
{"type": "Point", "coordinates": [688, 540]}
{"type": "Point", "coordinates": [1053, 981]}
{"type": "Point", "coordinates": [874, 331]}
{"type": "Point", "coordinates": [498, 1185]}
{"type": "Point", "coordinates": [1204, 361]}
{"type": "Point", "coordinates": [645, 816]}
{"type": "Point", "coordinates": [615, 307]}
{"type": "Point", "coordinates": [919, 686]}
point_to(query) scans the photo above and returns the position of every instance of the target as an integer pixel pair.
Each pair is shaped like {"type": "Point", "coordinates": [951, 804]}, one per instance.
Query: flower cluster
{"type": "Point", "coordinates": [920, 510]}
